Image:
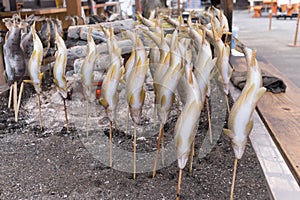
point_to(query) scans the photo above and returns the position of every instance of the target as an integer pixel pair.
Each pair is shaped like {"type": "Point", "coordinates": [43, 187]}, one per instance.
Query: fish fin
{"type": "Point", "coordinates": [167, 57]}
{"type": "Point", "coordinates": [228, 132]}
{"type": "Point", "coordinates": [41, 76]}
{"type": "Point", "coordinates": [163, 100]}
{"type": "Point", "coordinates": [261, 91]}
{"type": "Point", "coordinates": [231, 72]}
{"type": "Point", "coordinates": [103, 102]}
{"type": "Point", "coordinates": [248, 92]}
{"type": "Point", "coordinates": [142, 95]}
{"type": "Point", "coordinates": [249, 127]}
{"type": "Point", "coordinates": [122, 81]}
{"type": "Point", "coordinates": [113, 70]}
{"type": "Point", "coordinates": [28, 81]}
{"type": "Point", "coordinates": [191, 76]}
{"type": "Point", "coordinates": [131, 99]}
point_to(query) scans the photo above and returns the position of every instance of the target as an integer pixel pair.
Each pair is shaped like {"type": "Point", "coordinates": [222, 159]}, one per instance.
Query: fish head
{"type": "Point", "coordinates": [136, 115]}
{"type": "Point", "coordinates": [239, 148]}
{"type": "Point", "coordinates": [111, 114]}
{"type": "Point", "coordinates": [182, 160]}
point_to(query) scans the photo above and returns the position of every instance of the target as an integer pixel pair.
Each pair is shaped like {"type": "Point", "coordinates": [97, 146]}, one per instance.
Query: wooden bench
{"type": "Point", "coordinates": [257, 11]}
{"type": "Point", "coordinates": [281, 115]}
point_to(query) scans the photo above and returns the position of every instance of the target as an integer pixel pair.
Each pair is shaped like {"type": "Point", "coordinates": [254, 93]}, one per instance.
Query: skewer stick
{"type": "Point", "coordinates": [134, 152]}
{"type": "Point", "coordinates": [163, 148]}
{"type": "Point", "coordinates": [157, 149]}
{"type": "Point", "coordinates": [40, 113]}
{"type": "Point", "coordinates": [110, 144]}
{"type": "Point", "coordinates": [209, 121]}
{"type": "Point", "coordinates": [127, 121]}
{"type": "Point", "coordinates": [233, 178]}
{"type": "Point", "coordinates": [19, 99]}
{"type": "Point", "coordinates": [87, 119]}
{"type": "Point", "coordinates": [192, 156]}
{"type": "Point", "coordinates": [227, 103]}
{"type": "Point", "coordinates": [178, 186]}
{"type": "Point", "coordinates": [10, 96]}
{"type": "Point", "coordinates": [154, 115]}
{"type": "Point", "coordinates": [15, 99]}
{"type": "Point", "coordinates": [66, 115]}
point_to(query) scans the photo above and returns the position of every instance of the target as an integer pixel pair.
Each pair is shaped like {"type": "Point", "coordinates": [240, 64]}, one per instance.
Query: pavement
{"type": "Point", "coordinates": [271, 44]}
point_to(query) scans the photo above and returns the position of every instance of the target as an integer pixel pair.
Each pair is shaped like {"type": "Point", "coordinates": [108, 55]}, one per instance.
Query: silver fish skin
{"type": "Point", "coordinates": [187, 121]}
{"type": "Point", "coordinates": [13, 55]}
{"type": "Point", "coordinates": [35, 61]}
{"type": "Point", "coordinates": [59, 69]}
{"type": "Point", "coordinates": [87, 69]}
{"type": "Point", "coordinates": [109, 95]}
{"type": "Point", "coordinates": [240, 123]}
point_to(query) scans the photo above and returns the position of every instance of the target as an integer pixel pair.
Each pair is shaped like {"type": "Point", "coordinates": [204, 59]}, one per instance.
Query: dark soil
{"type": "Point", "coordinates": [39, 164]}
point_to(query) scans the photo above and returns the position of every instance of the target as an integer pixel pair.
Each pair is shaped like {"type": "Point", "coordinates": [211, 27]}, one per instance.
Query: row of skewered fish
{"type": "Point", "coordinates": [181, 65]}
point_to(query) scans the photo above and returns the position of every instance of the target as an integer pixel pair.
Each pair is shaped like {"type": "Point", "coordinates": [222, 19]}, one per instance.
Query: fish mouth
{"type": "Point", "coordinates": [136, 115]}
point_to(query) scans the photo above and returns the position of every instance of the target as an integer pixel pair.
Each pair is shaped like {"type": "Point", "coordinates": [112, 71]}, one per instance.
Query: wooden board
{"type": "Point", "coordinates": [281, 115]}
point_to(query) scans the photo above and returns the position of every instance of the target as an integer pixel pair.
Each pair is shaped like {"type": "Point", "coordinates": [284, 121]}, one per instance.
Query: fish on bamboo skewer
{"type": "Point", "coordinates": [240, 123]}
{"type": "Point", "coordinates": [167, 88]}
{"type": "Point", "coordinates": [204, 65]}
{"type": "Point", "coordinates": [13, 57]}
{"type": "Point", "coordinates": [109, 95]}
{"type": "Point", "coordinates": [135, 85]}
{"type": "Point", "coordinates": [59, 72]}
{"type": "Point", "coordinates": [87, 72]}
{"type": "Point", "coordinates": [34, 68]}
{"type": "Point", "coordinates": [187, 123]}
{"type": "Point", "coordinates": [222, 53]}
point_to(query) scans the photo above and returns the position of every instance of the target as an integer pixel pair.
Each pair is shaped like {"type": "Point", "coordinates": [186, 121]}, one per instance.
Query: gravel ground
{"type": "Point", "coordinates": [54, 164]}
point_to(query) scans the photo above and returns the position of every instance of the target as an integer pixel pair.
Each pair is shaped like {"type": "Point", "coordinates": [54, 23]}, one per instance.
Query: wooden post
{"type": "Point", "coordinates": [227, 7]}
{"type": "Point", "coordinates": [178, 9]}
{"type": "Point", "coordinates": [271, 16]}
{"type": "Point", "coordinates": [296, 34]}
{"type": "Point", "coordinates": [74, 7]}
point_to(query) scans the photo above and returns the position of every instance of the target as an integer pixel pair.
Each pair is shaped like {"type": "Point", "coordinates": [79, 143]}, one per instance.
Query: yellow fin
{"type": "Point", "coordinates": [131, 99]}
{"type": "Point", "coordinates": [228, 132]}
{"type": "Point", "coordinates": [249, 127]}
{"type": "Point", "coordinates": [113, 70]}
{"type": "Point", "coordinates": [142, 95]}
{"type": "Point", "coordinates": [163, 100]}
{"type": "Point", "coordinates": [103, 102]}
{"type": "Point", "coordinates": [191, 76]}
{"type": "Point", "coordinates": [261, 91]}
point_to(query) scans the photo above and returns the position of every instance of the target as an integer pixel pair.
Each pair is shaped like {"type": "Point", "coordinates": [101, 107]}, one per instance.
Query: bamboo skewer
{"type": "Point", "coordinates": [192, 156]}
{"type": "Point", "coordinates": [87, 118]}
{"type": "Point", "coordinates": [134, 152]}
{"type": "Point", "coordinates": [233, 178]}
{"type": "Point", "coordinates": [157, 149]}
{"type": "Point", "coordinates": [15, 100]}
{"type": "Point", "coordinates": [66, 115]}
{"type": "Point", "coordinates": [227, 103]}
{"type": "Point", "coordinates": [10, 96]}
{"type": "Point", "coordinates": [40, 113]}
{"type": "Point", "coordinates": [110, 144]}
{"type": "Point", "coordinates": [19, 99]}
{"type": "Point", "coordinates": [163, 148]}
{"type": "Point", "coordinates": [209, 121]}
{"type": "Point", "coordinates": [179, 183]}
{"type": "Point", "coordinates": [127, 121]}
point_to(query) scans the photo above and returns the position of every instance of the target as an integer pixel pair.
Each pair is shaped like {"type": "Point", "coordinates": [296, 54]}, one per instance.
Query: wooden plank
{"type": "Point", "coordinates": [280, 179]}
{"type": "Point", "coordinates": [281, 114]}
{"type": "Point", "coordinates": [74, 7]}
